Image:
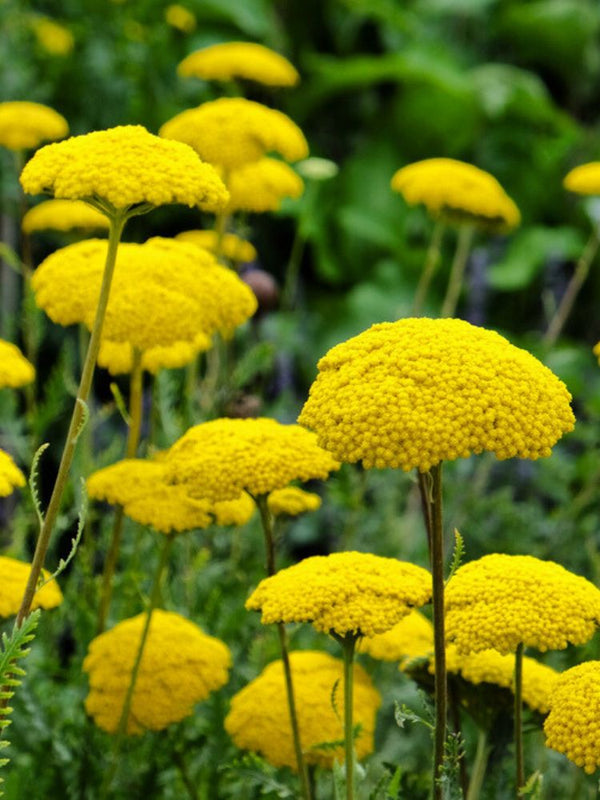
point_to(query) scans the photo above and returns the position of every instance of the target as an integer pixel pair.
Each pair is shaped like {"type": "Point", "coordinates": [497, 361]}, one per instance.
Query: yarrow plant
{"type": "Point", "coordinates": [233, 60]}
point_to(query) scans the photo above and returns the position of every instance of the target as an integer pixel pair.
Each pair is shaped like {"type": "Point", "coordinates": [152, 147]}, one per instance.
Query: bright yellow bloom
{"type": "Point", "coordinates": [15, 369]}
{"type": "Point", "coordinates": [55, 39]}
{"type": "Point", "coordinates": [343, 593]}
{"type": "Point", "coordinates": [124, 166]}
{"type": "Point", "coordinates": [180, 17]}
{"type": "Point", "coordinates": [232, 131]}
{"type": "Point", "coordinates": [25, 125]}
{"type": "Point", "coordinates": [292, 501]}
{"type": "Point", "coordinates": [500, 601]}
{"type": "Point", "coordinates": [409, 639]}
{"type": "Point", "coordinates": [259, 718]}
{"type": "Point", "coordinates": [221, 458]}
{"type": "Point", "coordinates": [10, 475]}
{"type": "Point", "coordinates": [247, 60]}
{"type": "Point", "coordinates": [13, 579]}
{"type": "Point", "coordinates": [117, 357]}
{"type": "Point", "coordinates": [180, 666]}
{"type": "Point", "coordinates": [458, 191]}
{"type": "Point", "coordinates": [261, 186]}
{"type": "Point", "coordinates": [584, 179]}
{"type": "Point", "coordinates": [232, 247]}
{"type": "Point", "coordinates": [62, 215]}
{"type": "Point", "coordinates": [418, 391]}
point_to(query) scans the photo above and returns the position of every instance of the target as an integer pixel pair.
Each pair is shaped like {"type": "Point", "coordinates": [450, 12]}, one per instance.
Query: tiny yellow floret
{"type": "Point", "coordinates": [25, 125]}
{"type": "Point", "coordinates": [11, 476]}
{"type": "Point", "coordinates": [63, 216]}
{"type": "Point", "coordinates": [584, 179]}
{"type": "Point", "coordinates": [13, 579]}
{"type": "Point", "coordinates": [15, 369]}
{"type": "Point", "coordinates": [246, 60]}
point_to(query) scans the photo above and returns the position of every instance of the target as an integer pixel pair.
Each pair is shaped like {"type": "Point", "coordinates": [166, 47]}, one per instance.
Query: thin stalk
{"type": "Point", "coordinates": [349, 643]}
{"type": "Point", "coordinates": [117, 222]}
{"type": "Point", "coordinates": [479, 766]}
{"type": "Point", "coordinates": [520, 769]}
{"type": "Point", "coordinates": [185, 775]}
{"type": "Point", "coordinates": [290, 286]}
{"type": "Point", "coordinates": [135, 404]}
{"type": "Point", "coordinates": [577, 280]}
{"type": "Point", "coordinates": [457, 271]}
{"type": "Point", "coordinates": [221, 221]}
{"type": "Point", "coordinates": [432, 258]}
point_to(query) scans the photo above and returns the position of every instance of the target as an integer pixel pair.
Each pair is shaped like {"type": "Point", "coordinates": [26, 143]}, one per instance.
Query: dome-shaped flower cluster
{"type": "Point", "coordinates": [54, 39]}
{"type": "Point", "coordinates": [259, 718]}
{"type": "Point", "coordinates": [10, 475]}
{"type": "Point", "coordinates": [416, 392]}
{"type": "Point", "coordinates": [180, 666]}
{"type": "Point", "coordinates": [262, 185]}
{"type": "Point", "coordinates": [180, 18]}
{"type": "Point", "coordinates": [25, 125]}
{"type": "Point", "coordinates": [344, 593]}
{"type": "Point", "coordinates": [62, 215]}
{"type": "Point", "coordinates": [409, 639]}
{"type": "Point", "coordinates": [13, 579]}
{"type": "Point", "coordinates": [231, 131]}
{"type": "Point", "coordinates": [584, 179]}
{"type": "Point", "coordinates": [117, 357]}
{"type": "Point", "coordinates": [456, 190]}
{"type": "Point", "coordinates": [292, 501]}
{"type": "Point", "coordinates": [232, 247]}
{"type": "Point", "coordinates": [247, 60]}
{"type": "Point", "coordinates": [500, 601]}
{"type": "Point", "coordinates": [124, 166]}
{"type": "Point", "coordinates": [15, 369]}
{"type": "Point", "coordinates": [221, 458]}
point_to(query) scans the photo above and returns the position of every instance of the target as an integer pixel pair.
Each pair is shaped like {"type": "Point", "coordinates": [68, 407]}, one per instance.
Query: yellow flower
{"type": "Point", "coordinates": [573, 725]}
{"type": "Point", "coordinates": [232, 247]}
{"type": "Point", "coordinates": [231, 60]}
{"type": "Point", "coordinates": [13, 578]}
{"type": "Point", "coordinates": [418, 391]}
{"type": "Point", "coordinates": [62, 215]}
{"type": "Point", "coordinates": [584, 179]}
{"type": "Point", "coordinates": [259, 718]}
{"type": "Point", "coordinates": [180, 666]}
{"type": "Point", "coordinates": [15, 369]}
{"type": "Point", "coordinates": [500, 601]}
{"type": "Point", "coordinates": [117, 357]}
{"type": "Point", "coordinates": [180, 17]}
{"type": "Point", "coordinates": [232, 131]}
{"type": "Point", "coordinates": [409, 639]}
{"type": "Point", "coordinates": [343, 593]}
{"type": "Point", "coordinates": [261, 186]}
{"type": "Point", "coordinates": [221, 458]}
{"type": "Point", "coordinates": [25, 125]}
{"type": "Point", "coordinates": [10, 475]}
{"type": "Point", "coordinates": [292, 501]}
{"type": "Point", "coordinates": [458, 191]}
{"type": "Point", "coordinates": [55, 39]}
{"type": "Point", "coordinates": [124, 166]}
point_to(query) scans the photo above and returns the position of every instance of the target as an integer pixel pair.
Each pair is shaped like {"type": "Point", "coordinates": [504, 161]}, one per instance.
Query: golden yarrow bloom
{"type": "Point", "coordinates": [584, 179]}
{"type": "Point", "coordinates": [247, 60]}
{"type": "Point", "coordinates": [232, 131]}
{"type": "Point", "coordinates": [343, 593]}
{"type": "Point", "coordinates": [180, 17]}
{"type": "Point", "coordinates": [223, 457]}
{"type": "Point", "coordinates": [15, 369]}
{"type": "Point", "coordinates": [63, 216]}
{"type": "Point", "coordinates": [416, 392]}
{"type": "Point", "coordinates": [13, 579]}
{"type": "Point", "coordinates": [124, 167]}
{"type": "Point", "coordinates": [232, 247]}
{"type": "Point", "coordinates": [52, 37]}
{"type": "Point", "coordinates": [11, 476]}
{"type": "Point", "coordinates": [409, 639]}
{"type": "Point", "coordinates": [180, 666]}
{"type": "Point", "coordinates": [457, 191]}
{"type": "Point", "coordinates": [500, 601]}
{"type": "Point", "coordinates": [292, 501]}
{"type": "Point", "coordinates": [262, 185]}
{"type": "Point", "coordinates": [259, 718]}
{"type": "Point", "coordinates": [117, 357]}
{"type": "Point", "coordinates": [25, 125]}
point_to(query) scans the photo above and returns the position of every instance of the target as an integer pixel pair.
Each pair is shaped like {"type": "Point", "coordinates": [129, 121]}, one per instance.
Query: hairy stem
{"type": "Point", "coordinates": [432, 258]}
{"type": "Point", "coordinates": [457, 271]}
{"type": "Point", "coordinates": [520, 769]}
{"type": "Point", "coordinates": [349, 643]}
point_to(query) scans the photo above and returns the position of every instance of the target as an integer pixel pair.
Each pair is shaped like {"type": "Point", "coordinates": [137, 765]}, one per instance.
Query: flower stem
{"type": "Point", "coordinates": [349, 643]}
{"type": "Point", "coordinates": [520, 776]}
{"type": "Point", "coordinates": [479, 766]}
{"type": "Point", "coordinates": [432, 258]}
{"type": "Point", "coordinates": [457, 271]}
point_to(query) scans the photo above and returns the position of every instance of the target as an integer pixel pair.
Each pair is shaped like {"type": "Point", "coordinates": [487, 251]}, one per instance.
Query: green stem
{"type": "Point", "coordinates": [457, 271]}
{"type": "Point", "coordinates": [349, 643]}
{"type": "Point", "coordinates": [185, 775]}
{"type": "Point", "coordinates": [520, 769]}
{"type": "Point", "coordinates": [479, 766]}
{"type": "Point", "coordinates": [566, 304]}
{"type": "Point", "coordinates": [135, 404]}
{"type": "Point", "coordinates": [290, 286]}
{"type": "Point", "coordinates": [431, 261]}
{"type": "Point", "coordinates": [117, 222]}
{"type": "Point", "coordinates": [221, 221]}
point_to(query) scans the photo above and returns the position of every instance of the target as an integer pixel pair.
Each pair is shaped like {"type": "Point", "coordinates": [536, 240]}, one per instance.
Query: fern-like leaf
{"type": "Point", "coordinates": [458, 554]}
{"type": "Point", "coordinates": [33, 483]}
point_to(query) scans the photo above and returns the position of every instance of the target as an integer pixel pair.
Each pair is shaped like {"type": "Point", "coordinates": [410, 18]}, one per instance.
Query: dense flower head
{"type": "Point", "coordinates": [411, 638]}
{"type": "Point", "coordinates": [343, 593]}
{"type": "Point", "coordinates": [231, 246]}
{"type": "Point", "coordinates": [231, 60]}
{"type": "Point", "coordinates": [52, 37]}
{"type": "Point", "coordinates": [223, 457]}
{"type": "Point", "coordinates": [180, 666]}
{"type": "Point", "coordinates": [117, 357]}
{"type": "Point", "coordinates": [573, 725]}
{"type": "Point", "coordinates": [292, 501]}
{"type": "Point", "coordinates": [584, 179]}
{"type": "Point", "coordinates": [11, 476]}
{"type": "Point", "coordinates": [13, 579]}
{"type": "Point", "coordinates": [62, 215]}
{"type": "Point", "coordinates": [15, 369]}
{"type": "Point", "coordinates": [25, 125]}
{"type": "Point", "coordinates": [259, 718]}
{"type": "Point", "coordinates": [456, 190]}
{"type": "Point", "coordinates": [500, 601]}
{"type": "Point", "coordinates": [416, 392]}
{"type": "Point", "coordinates": [262, 185]}
{"type": "Point", "coordinates": [232, 131]}
{"type": "Point", "coordinates": [180, 17]}
{"type": "Point", "coordinates": [124, 166]}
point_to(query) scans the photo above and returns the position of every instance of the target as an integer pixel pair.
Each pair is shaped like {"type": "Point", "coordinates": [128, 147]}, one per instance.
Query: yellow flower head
{"type": "Point", "coordinates": [573, 725]}
{"type": "Point", "coordinates": [457, 191]}
{"type": "Point", "coordinates": [15, 369]}
{"type": "Point", "coordinates": [117, 357]}
{"type": "Point", "coordinates": [418, 391]}
{"type": "Point", "coordinates": [10, 475]}
{"type": "Point", "coordinates": [500, 601]}
{"type": "Point", "coordinates": [261, 186]}
{"type": "Point", "coordinates": [232, 247]}
{"type": "Point", "coordinates": [25, 125]}
{"type": "Point", "coordinates": [221, 458]}
{"type": "Point", "coordinates": [123, 167]}
{"type": "Point", "coordinates": [55, 39]}
{"type": "Point", "coordinates": [13, 579]}
{"type": "Point", "coordinates": [247, 60]}
{"type": "Point", "coordinates": [584, 179]}
{"type": "Point", "coordinates": [292, 501]}
{"type": "Point", "coordinates": [259, 718]}
{"type": "Point", "coordinates": [180, 17]}
{"type": "Point", "coordinates": [63, 216]}
{"type": "Point", "coordinates": [232, 131]}
{"type": "Point", "coordinates": [180, 666]}
{"type": "Point", "coordinates": [343, 593]}
{"type": "Point", "coordinates": [409, 639]}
